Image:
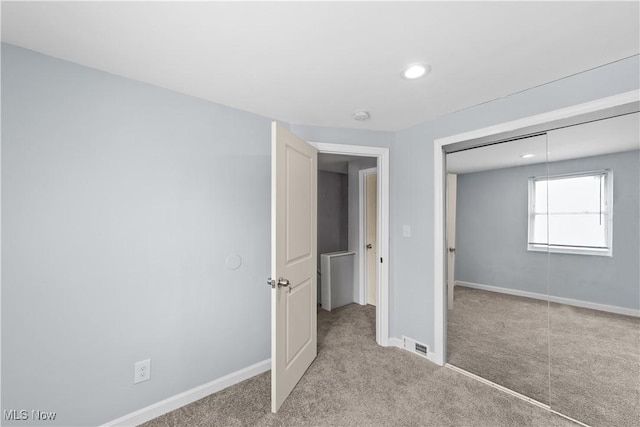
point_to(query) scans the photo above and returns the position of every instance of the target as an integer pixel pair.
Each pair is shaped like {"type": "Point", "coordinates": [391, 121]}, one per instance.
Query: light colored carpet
{"type": "Point", "coordinates": [502, 338]}
{"type": "Point", "coordinates": [355, 382]}
{"type": "Point", "coordinates": [592, 374]}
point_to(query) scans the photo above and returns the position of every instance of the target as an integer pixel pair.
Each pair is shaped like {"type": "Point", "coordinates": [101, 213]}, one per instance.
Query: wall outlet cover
{"type": "Point", "coordinates": [142, 371]}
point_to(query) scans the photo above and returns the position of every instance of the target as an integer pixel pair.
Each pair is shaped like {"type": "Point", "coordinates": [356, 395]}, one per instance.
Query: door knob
{"type": "Point", "coordinates": [369, 246]}
{"type": "Point", "coordinates": [271, 282]}
{"type": "Point", "coordinates": [283, 282]}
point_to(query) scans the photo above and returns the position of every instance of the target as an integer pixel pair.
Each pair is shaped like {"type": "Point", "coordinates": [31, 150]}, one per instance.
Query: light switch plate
{"type": "Point", "coordinates": [406, 231]}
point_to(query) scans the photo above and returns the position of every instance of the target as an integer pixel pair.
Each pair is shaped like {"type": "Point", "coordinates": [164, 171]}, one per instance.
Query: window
{"type": "Point", "coordinates": [571, 213]}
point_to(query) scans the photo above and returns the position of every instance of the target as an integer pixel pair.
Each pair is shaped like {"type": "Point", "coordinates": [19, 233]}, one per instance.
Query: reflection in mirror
{"type": "Point", "coordinates": [594, 280]}
{"type": "Point", "coordinates": [497, 322]}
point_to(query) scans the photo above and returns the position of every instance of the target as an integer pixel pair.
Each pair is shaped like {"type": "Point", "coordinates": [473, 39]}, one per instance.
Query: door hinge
{"type": "Point", "coordinates": [380, 260]}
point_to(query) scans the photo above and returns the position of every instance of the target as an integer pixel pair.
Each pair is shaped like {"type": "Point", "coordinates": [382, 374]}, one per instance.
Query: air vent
{"type": "Point", "coordinates": [415, 347]}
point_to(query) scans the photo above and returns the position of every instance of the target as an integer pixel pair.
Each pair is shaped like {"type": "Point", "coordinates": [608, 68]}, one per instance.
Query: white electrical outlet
{"type": "Point", "coordinates": [142, 371]}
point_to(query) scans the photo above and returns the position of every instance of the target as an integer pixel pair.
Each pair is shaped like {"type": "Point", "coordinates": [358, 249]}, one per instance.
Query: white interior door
{"type": "Point", "coordinates": [294, 170]}
{"type": "Point", "coordinates": [371, 191]}
{"type": "Point", "coordinates": [452, 184]}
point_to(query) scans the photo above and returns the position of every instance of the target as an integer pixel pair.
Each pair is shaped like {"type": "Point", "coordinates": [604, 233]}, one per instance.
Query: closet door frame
{"type": "Point", "coordinates": [594, 110]}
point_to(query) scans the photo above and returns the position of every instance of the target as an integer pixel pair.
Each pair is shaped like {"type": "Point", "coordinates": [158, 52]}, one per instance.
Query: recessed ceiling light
{"type": "Point", "coordinates": [526, 155]}
{"type": "Point", "coordinates": [360, 115]}
{"type": "Point", "coordinates": [415, 71]}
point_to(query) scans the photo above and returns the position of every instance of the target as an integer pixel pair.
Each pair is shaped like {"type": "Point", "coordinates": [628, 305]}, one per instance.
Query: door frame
{"type": "Point", "coordinates": [574, 114]}
{"type": "Point", "coordinates": [382, 154]}
{"type": "Point", "coordinates": [362, 255]}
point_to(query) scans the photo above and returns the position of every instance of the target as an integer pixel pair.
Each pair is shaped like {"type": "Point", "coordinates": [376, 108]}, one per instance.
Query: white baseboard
{"type": "Point", "coordinates": [395, 342]}
{"type": "Point", "coordinates": [434, 358]}
{"type": "Point", "coordinates": [179, 400]}
{"type": "Point", "coordinates": [559, 300]}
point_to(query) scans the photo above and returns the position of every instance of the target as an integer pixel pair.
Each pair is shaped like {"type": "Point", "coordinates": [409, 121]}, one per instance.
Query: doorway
{"type": "Point", "coordinates": [293, 281]}
{"type": "Point", "coordinates": [342, 244]}
{"type": "Point", "coordinates": [381, 156]}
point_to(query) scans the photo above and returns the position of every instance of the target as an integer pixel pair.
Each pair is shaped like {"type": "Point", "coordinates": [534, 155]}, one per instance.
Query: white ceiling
{"type": "Point", "coordinates": [612, 135]}
{"type": "Point", "coordinates": [316, 62]}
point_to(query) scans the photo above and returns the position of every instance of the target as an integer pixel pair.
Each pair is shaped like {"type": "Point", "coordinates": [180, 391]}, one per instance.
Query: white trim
{"type": "Point", "coordinates": [339, 253]}
{"type": "Point", "coordinates": [574, 250]}
{"type": "Point", "coordinates": [538, 119]}
{"type": "Point", "coordinates": [325, 271]}
{"type": "Point", "coordinates": [362, 254]}
{"type": "Point", "coordinates": [438, 196]}
{"type": "Point", "coordinates": [179, 400]}
{"type": "Point", "coordinates": [570, 250]}
{"type": "Point", "coordinates": [560, 300]}
{"type": "Point", "coordinates": [396, 342]}
{"type": "Point", "coordinates": [439, 242]}
{"type": "Point", "coordinates": [382, 153]}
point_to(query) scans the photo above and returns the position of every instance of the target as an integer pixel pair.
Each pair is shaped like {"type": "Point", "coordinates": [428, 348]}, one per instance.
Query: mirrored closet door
{"type": "Point", "coordinates": [544, 256]}
{"type": "Point", "coordinates": [594, 280]}
{"type": "Point", "coordinates": [497, 325]}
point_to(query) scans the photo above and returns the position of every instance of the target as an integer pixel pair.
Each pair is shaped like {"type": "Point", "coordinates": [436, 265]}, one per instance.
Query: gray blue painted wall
{"type": "Point", "coordinates": [491, 235]}
{"type": "Point", "coordinates": [120, 204]}
{"type": "Point", "coordinates": [333, 219]}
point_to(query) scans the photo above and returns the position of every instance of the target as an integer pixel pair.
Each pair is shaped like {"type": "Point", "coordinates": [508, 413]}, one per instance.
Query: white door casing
{"type": "Point", "coordinates": [371, 248]}
{"type": "Point", "coordinates": [294, 166]}
{"type": "Point", "coordinates": [382, 154]}
{"type": "Point", "coordinates": [452, 182]}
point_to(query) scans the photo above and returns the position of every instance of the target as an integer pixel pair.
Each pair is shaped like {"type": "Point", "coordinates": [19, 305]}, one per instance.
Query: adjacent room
{"type": "Point", "coordinates": [251, 213]}
{"type": "Point", "coordinates": [347, 195]}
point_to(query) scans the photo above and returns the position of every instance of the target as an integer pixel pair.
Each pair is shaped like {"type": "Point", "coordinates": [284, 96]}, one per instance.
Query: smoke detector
{"type": "Point", "coordinates": [360, 115]}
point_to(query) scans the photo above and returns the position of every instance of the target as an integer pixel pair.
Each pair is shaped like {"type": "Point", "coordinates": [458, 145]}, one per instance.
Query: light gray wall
{"type": "Point", "coordinates": [333, 220]}
{"type": "Point", "coordinates": [120, 203]}
{"type": "Point", "coordinates": [491, 235]}
{"type": "Point", "coordinates": [412, 180]}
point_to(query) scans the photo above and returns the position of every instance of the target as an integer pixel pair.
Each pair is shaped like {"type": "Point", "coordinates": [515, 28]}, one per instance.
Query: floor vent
{"type": "Point", "coordinates": [415, 347]}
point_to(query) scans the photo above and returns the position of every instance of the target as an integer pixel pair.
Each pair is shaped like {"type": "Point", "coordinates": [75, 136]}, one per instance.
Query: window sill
{"type": "Point", "coordinates": [571, 250]}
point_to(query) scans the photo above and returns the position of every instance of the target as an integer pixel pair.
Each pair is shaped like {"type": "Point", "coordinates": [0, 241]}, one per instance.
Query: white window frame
{"type": "Point", "coordinates": [577, 250]}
